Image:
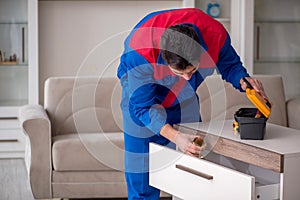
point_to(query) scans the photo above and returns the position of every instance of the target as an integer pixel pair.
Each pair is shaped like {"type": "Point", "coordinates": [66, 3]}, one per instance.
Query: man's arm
{"type": "Point", "coordinates": [230, 66]}
{"type": "Point", "coordinates": [233, 71]}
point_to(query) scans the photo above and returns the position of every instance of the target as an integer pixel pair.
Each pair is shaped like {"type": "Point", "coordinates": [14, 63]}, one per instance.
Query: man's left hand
{"type": "Point", "coordinates": [256, 84]}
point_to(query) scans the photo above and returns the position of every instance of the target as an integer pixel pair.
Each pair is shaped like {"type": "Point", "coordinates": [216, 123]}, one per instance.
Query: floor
{"type": "Point", "coordinates": [15, 184]}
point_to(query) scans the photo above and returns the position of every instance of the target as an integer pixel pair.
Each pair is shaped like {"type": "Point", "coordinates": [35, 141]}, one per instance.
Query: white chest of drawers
{"type": "Point", "coordinates": [233, 169]}
{"type": "Point", "coordinates": [12, 140]}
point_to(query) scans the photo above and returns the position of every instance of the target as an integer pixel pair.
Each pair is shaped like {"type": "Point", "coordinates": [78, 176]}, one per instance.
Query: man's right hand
{"type": "Point", "coordinates": [185, 144]}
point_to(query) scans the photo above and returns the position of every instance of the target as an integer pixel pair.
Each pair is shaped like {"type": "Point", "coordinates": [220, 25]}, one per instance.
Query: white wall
{"type": "Point", "coordinates": [88, 34]}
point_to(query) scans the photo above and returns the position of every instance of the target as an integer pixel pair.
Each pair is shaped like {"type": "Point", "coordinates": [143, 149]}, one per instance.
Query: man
{"type": "Point", "coordinates": [167, 56]}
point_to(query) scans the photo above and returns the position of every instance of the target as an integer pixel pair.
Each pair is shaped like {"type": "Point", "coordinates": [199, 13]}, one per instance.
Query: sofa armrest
{"type": "Point", "coordinates": [293, 110]}
{"type": "Point", "coordinates": [37, 128]}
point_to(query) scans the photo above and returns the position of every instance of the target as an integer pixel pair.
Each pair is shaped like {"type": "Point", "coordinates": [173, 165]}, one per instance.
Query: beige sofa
{"type": "Point", "coordinates": [76, 144]}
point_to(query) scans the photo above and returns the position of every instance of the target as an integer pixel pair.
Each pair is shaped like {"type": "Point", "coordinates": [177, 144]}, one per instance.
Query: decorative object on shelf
{"type": "Point", "coordinates": [2, 54]}
{"type": "Point", "coordinates": [12, 60]}
{"type": "Point", "coordinates": [213, 10]}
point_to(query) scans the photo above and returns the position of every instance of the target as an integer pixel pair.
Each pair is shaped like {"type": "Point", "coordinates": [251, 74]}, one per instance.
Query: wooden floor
{"type": "Point", "coordinates": [14, 183]}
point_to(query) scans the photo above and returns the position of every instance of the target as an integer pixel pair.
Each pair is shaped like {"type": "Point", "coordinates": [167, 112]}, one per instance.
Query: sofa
{"type": "Point", "coordinates": [75, 141]}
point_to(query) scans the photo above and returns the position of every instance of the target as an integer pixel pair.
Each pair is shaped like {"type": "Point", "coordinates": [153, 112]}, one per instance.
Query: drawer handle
{"type": "Point", "coordinates": [195, 172]}
{"type": "Point", "coordinates": [8, 140]}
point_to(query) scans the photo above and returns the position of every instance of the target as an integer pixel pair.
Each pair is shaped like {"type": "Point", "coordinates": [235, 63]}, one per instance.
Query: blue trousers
{"type": "Point", "coordinates": [137, 167]}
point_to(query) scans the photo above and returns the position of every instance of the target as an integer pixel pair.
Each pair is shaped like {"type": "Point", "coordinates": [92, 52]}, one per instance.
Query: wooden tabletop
{"type": "Point", "coordinates": [279, 143]}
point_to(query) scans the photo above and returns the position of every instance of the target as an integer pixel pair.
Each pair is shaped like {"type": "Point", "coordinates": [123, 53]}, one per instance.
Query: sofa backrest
{"type": "Point", "coordinates": [219, 100]}
{"type": "Point", "coordinates": [83, 105]}
{"type": "Point", "coordinates": [90, 105]}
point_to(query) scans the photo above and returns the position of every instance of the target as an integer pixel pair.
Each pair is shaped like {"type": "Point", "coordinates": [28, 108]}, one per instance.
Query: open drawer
{"type": "Point", "coordinates": [191, 178]}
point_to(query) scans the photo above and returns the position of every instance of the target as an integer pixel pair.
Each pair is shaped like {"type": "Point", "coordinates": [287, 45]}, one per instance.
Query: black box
{"type": "Point", "coordinates": [250, 127]}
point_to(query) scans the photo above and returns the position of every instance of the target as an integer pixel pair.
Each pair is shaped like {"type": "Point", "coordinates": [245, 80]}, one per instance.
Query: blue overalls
{"type": "Point", "coordinates": [153, 96]}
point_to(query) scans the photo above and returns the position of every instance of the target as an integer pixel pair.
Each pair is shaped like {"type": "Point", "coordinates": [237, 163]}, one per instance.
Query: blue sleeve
{"type": "Point", "coordinates": [141, 90]}
{"type": "Point", "coordinates": [230, 65]}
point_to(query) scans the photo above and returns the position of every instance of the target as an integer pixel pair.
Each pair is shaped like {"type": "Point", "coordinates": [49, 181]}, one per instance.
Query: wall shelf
{"type": "Point", "coordinates": [277, 21]}
{"type": "Point", "coordinates": [14, 65]}
{"type": "Point", "coordinates": [278, 60]}
{"type": "Point", "coordinates": [9, 23]}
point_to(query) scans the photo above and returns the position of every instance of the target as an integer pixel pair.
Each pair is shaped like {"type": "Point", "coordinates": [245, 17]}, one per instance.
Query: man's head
{"type": "Point", "coordinates": [180, 48]}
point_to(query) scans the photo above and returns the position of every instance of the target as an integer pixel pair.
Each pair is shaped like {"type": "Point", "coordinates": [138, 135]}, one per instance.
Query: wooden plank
{"type": "Point", "coordinates": [242, 152]}
{"type": "Point", "coordinates": [8, 63]}
{"type": "Point", "coordinates": [14, 179]}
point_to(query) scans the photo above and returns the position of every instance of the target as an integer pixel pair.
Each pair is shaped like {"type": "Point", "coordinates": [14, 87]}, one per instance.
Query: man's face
{"type": "Point", "coordinates": [187, 73]}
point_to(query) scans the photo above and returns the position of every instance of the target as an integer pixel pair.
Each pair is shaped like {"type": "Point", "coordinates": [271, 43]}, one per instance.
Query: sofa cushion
{"type": "Point", "coordinates": [88, 151]}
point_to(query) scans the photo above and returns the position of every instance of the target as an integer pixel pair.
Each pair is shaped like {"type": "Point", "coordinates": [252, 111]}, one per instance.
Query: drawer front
{"type": "Point", "coordinates": [9, 124]}
{"type": "Point", "coordinates": [12, 140]}
{"type": "Point", "coordinates": [192, 178]}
